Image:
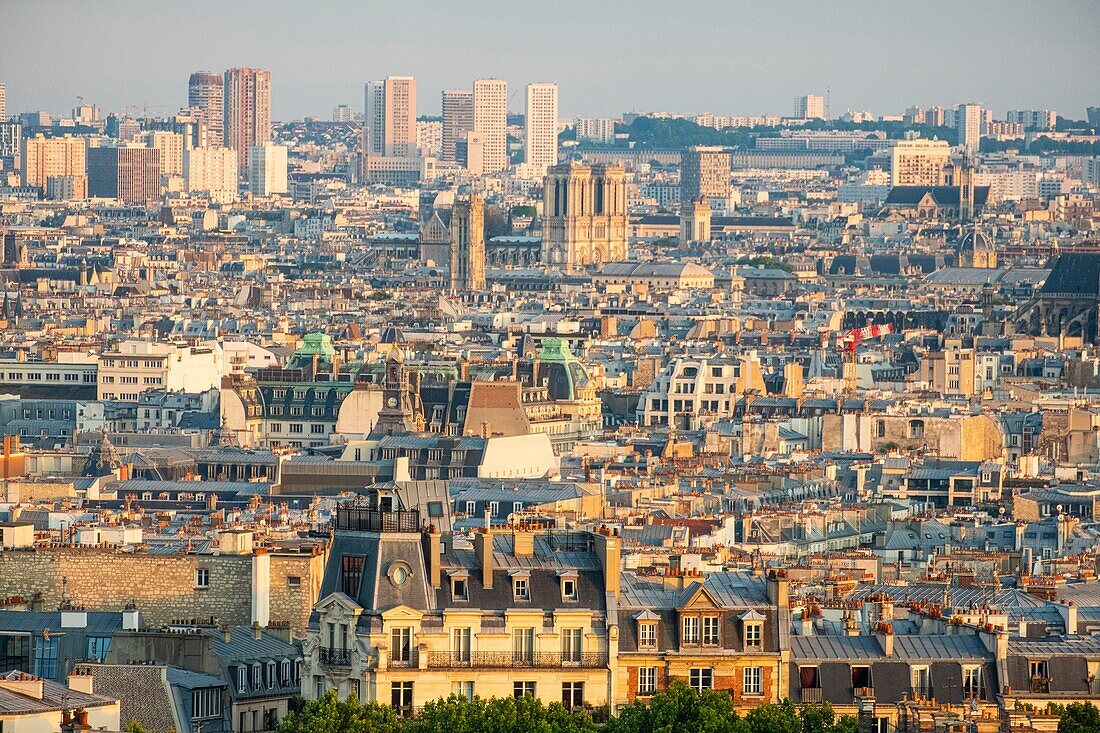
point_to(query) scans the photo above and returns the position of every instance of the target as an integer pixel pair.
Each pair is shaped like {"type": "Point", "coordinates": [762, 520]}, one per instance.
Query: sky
{"type": "Point", "coordinates": [607, 56]}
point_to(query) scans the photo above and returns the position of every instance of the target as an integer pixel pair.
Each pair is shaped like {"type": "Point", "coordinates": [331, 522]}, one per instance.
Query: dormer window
{"type": "Point", "coordinates": [647, 635]}
{"type": "Point", "coordinates": [242, 679]}
{"type": "Point", "coordinates": [521, 588]}
{"type": "Point", "coordinates": [752, 630]}
{"type": "Point", "coordinates": [691, 630]}
{"type": "Point", "coordinates": [710, 630]}
{"type": "Point", "coordinates": [569, 589]}
{"type": "Point", "coordinates": [270, 675]}
{"type": "Point", "coordinates": [460, 588]}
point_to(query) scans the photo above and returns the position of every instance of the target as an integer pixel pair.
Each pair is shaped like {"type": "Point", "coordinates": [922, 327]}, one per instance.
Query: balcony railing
{"type": "Point", "coordinates": [921, 691]}
{"type": "Point", "coordinates": [510, 660]}
{"type": "Point", "coordinates": [407, 660]}
{"type": "Point", "coordinates": [863, 692]}
{"type": "Point", "coordinates": [335, 657]}
{"type": "Point", "coordinates": [811, 694]}
{"type": "Point", "coordinates": [377, 520]}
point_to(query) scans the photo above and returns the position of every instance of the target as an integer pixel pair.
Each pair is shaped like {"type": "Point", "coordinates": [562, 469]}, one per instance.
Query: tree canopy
{"type": "Point", "coordinates": [1080, 717]}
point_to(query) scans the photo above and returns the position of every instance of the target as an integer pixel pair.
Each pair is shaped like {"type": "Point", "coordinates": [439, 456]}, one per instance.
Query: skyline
{"type": "Point", "coordinates": [744, 60]}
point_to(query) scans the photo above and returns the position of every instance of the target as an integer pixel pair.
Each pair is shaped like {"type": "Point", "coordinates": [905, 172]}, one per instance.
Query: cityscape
{"type": "Point", "coordinates": [607, 389]}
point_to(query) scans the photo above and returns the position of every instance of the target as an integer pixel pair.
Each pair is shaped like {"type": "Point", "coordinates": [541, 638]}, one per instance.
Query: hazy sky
{"type": "Point", "coordinates": [608, 56]}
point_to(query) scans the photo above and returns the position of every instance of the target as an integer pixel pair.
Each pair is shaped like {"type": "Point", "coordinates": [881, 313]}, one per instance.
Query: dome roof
{"type": "Point", "coordinates": [975, 240]}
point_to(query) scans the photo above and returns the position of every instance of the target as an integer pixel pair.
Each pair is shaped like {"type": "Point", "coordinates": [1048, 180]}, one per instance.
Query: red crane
{"type": "Point", "coordinates": [849, 342]}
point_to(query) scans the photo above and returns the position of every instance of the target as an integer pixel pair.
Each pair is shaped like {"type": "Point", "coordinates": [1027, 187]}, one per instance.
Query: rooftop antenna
{"type": "Point", "coordinates": [828, 97]}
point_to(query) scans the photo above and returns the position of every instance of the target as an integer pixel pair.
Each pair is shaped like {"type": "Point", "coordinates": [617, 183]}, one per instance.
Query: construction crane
{"type": "Point", "coordinates": [849, 342]}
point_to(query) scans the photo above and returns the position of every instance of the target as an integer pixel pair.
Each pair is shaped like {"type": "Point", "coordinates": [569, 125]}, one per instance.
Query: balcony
{"type": "Point", "coordinates": [510, 660]}
{"type": "Point", "coordinates": [404, 661]}
{"type": "Point", "coordinates": [811, 694]}
{"type": "Point", "coordinates": [863, 692]}
{"type": "Point", "coordinates": [334, 657]}
{"type": "Point", "coordinates": [1040, 685]}
{"type": "Point", "coordinates": [356, 519]}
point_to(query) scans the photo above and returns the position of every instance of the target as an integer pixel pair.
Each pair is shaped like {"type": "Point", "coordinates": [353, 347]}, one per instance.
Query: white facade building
{"type": "Point", "coordinates": [809, 107]}
{"type": "Point", "coordinates": [541, 128]}
{"type": "Point", "coordinates": [594, 129]}
{"type": "Point", "coordinates": [491, 123]}
{"type": "Point", "coordinates": [136, 366]}
{"type": "Point", "coordinates": [267, 169]}
{"type": "Point", "coordinates": [212, 171]}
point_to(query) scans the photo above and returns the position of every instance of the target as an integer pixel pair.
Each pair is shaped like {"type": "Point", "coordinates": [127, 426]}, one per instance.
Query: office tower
{"type": "Point", "coordinates": [809, 107]}
{"type": "Point", "coordinates": [343, 113]}
{"type": "Point", "coordinates": [935, 116]}
{"type": "Point", "coordinates": [968, 126]}
{"type": "Point", "coordinates": [1093, 116]}
{"type": "Point", "coordinates": [191, 123]}
{"type": "Point", "coordinates": [212, 171]}
{"type": "Point", "coordinates": [594, 129]}
{"type": "Point", "coordinates": [491, 122]}
{"type": "Point", "coordinates": [584, 215]}
{"type": "Point", "coordinates": [540, 128]}
{"type": "Point", "coordinates": [129, 173]}
{"type": "Point", "coordinates": [44, 158]}
{"type": "Point", "coordinates": [1034, 119]}
{"type": "Point", "coordinates": [390, 114]}
{"type": "Point", "coordinates": [11, 143]}
{"type": "Point", "coordinates": [86, 114]}
{"type": "Point", "coordinates": [458, 119]}
{"type": "Point", "coordinates": [705, 174]}
{"type": "Point", "coordinates": [429, 137]}
{"type": "Point", "coordinates": [206, 94]}
{"type": "Point", "coordinates": [468, 243]}
{"type": "Point", "coordinates": [170, 145]}
{"type": "Point", "coordinates": [914, 116]}
{"type": "Point", "coordinates": [3, 102]}
{"type": "Point", "coordinates": [247, 110]}
{"type": "Point", "coordinates": [918, 162]}
{"type": "Point", "coordinates": [267, 169]}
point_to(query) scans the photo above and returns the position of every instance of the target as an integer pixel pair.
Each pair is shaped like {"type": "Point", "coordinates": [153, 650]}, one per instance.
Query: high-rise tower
{"type": "Point", "coordinates": [491, 122]}
{"type": "Point", "coordinates": [458, 119]}
{"type": "Point", "coordinates": [247, 110]}
{"type": "Point", "coordinates": [390, 117]}
{"type": "Point", "coordinates": [541, 128]}
{"type": "Point", "coordinates": [206, 94]}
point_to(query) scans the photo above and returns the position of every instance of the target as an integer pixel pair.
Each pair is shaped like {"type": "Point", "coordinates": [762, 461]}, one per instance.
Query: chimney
{"type": "Point", "coordinates": [131, 618]}
{"type": "Point", "coordinates": [483, 548]}
{"type": "Point", "coordinates": [81, 682]}
{"type": "Point", "coordinates": [609, 551]}
{"type": "Point", "coordinates": [257, 631]}
{"type": "Point", "coordinates": [523, 542]}
{"type": "Point", "coordinates": [432, 542]}
{"type": "Point", "coordinates": [884, 632]}
{"type": "Point", "coordinates": [807, 625]}
{"type": "Point", "coordinates": [226, 635]}
{"type": "Point", "coordinates": [777, 585]}
{"type": "Point", "coordinates": [1068, 612]}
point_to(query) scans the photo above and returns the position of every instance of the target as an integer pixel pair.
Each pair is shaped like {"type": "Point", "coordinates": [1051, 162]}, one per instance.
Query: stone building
{"type": "Point", "coordinates": [584, 210]}
{"type": "Point", "coordinates": [468, 244]}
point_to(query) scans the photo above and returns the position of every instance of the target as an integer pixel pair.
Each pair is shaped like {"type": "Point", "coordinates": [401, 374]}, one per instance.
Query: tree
{"type": "Point", "coordinates": [458, 714]}
{"type": "Point", "coordinates": [1080, 717]}
{"type": "Point", "coordinates": [330, 714]}
{"type": "Point", "coordinates": [774, 718]}
{"type": "Point", "coordinates": [680, 709]}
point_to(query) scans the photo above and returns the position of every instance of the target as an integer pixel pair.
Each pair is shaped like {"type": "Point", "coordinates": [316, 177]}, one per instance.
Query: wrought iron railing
{"type": "Point", "coordinates": [515, 660]}
{"type": "Point", "coordinates": [408, 659]}
{"type": "Point", "coordinates": [335, 657]}
{"type": "Point", "coordinates": [377, 520]}
{"type": "Point", "coordinates": [811, 694]}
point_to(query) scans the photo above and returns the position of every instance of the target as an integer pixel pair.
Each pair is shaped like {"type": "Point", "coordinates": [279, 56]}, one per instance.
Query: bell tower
{"type": "Point", "coordinates": [396, 415]}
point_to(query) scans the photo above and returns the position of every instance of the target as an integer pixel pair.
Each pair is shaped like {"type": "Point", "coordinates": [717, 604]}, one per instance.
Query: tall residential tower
{"type": "Point", "coordinates": [541, 128]}
{"type": "Point", "coordinates": [491, 122]}
{"type": "Point", "coordinates": [205, 93]}
{"type": "Point", "coordinates": [247, 110]}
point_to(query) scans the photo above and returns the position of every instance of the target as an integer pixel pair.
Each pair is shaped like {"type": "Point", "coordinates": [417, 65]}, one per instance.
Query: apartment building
{"type": "Point", "coordinates": [687, 387]}
{"type": "Point", "coordinates": [136, 366]}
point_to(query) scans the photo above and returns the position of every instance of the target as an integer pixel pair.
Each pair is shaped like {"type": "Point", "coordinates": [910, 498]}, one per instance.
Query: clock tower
{"type": "Point", "coordinates": [398, 402]}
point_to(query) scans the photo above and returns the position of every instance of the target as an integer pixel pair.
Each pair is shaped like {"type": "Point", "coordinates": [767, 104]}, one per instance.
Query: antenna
{"type": "Point", "coordinates": [828, 98]}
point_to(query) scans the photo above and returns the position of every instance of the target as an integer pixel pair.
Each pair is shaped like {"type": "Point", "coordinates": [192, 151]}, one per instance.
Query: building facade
{"type": "Point", "coordinates": [491, 122]}
{"type": "Point", "coordinates": [206, 94]}
{"type": "Point", "coordinates": [468, 244]}
{"type": "Point", "coordinates": [584, 209]}
{"type": "Point", "coordinates": [541, 128]}
{"type": "Point", "coordinates": [247, 110]}
{"type": "Point", "coordinates": [458, 119]}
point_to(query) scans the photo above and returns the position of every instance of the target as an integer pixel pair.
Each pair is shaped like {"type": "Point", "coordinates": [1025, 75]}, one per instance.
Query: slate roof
{"type": "Point", "coordinates": [1074, 272]}
{"type": "Point", "coordinates": [943, 195]}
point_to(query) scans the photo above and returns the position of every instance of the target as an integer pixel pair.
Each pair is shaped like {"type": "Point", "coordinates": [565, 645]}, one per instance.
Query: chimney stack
{"type": "Point", "coordinates": [609, 551]}
{"type": "Point", "coordinates": [81, 682]}
{"type": "Point", "coordinates": [483, 548]}
{"type": "Point", "coordinates": [433, 550]}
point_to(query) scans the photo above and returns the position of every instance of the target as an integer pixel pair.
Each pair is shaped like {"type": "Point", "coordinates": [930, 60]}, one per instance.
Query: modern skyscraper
{"type": "Point", "coordinates": [44, 158]}
{"type": "Point", "coordinates": [458, 119]}
{"type": "Point", "coordinates": [11, 144]}
{"type": "Point", "coordinates": [212, 171]}
{"type": "Point", "coordinates": [584, 211]}
{"type": "Point", "coordinates": [130, 174]}
{"type": "Point", "coordinates": [390, 114]}
{"type": "Point", "coordinates": [170, 145]}
{"type": "Point", "coordinates": [3, 102]}
{"type": "Point", "coordinates": [705, 174]}
{"type": "Point", "coordinates": [540, 128]}
{"type": "Point", "coordinates": [491, 122]}
{"type": "Point", "coordinates": [205, 94]}
{"type": "Point", "coordinates": [918, 162]}
{"type": "Point", "coordinates": [968, 125]}
{"type": "Point", "coordinates": [267, 169]}
{"type": "Point", "coordinates": [809, 107]}
{"type": "Point", "coordinates": [247, 110]}
{"type": "Point", "coordinates": [468, 244]}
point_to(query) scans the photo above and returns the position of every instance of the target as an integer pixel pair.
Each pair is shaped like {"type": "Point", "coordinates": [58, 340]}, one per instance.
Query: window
{"type": "Point", "coordinates": [494, 508]}
{"type": "Point", "coordinates": [808, 679]}
{"type": "Point", "coordinates": [463, 689]}
{"type": "Point", "coordinates": [202, 577]}
{"type": "Point", "coordinates": [972, 682]}
{"type": "Point", "coordinates": [242, 679]}
{"type": "Point", "coordinates": [647, 635]}
{"type": "Point", "coordinates": [916, 428]}
{"type": "Point", "coordinates": [572, 695]}
{"type": "Point", "coordinates": [270, 675]}
{"type": "Point", "coordinates": [647, 680]}
{"type": "Point", "coordinates": [45, 658]}
{"type": "Point", "coordinates": [460, 644]}
{"type": "Point", "coordinates": [754, 635]}
{"type": "Point", "coordinates": [569, 589]}
{"type": "Point", "coordinates": [317, 429]}
{"type": "Point", "coordinates": [701, 679]}
{"type": "Point", "coordinates": [521, 688]}
{"type": "Point", "coordinates": [691, 629]}
{"type": "Point", "coordinates": [921, 680]}
{"type": "Point", "coordinates": [861, 681]}
{"type": "Point", "coordinates": [710, 630]}
{"type": "Point", "coordinates": [753, 682]}
{"type": "Point", "coordinates": [401, 644]}
{"type": "Point", "coordinates": [572, 641]}
{"type": "Point", "coordinates": [284, 672]}
{"type": "Point", "coordinates": [97, 647]}
{"type": "Point", "coordinates": [352, 575]}
{"type": "Point", "coordinates": [206, 702]}
{"type": "Point", "coordinates": [293, 581]}
{"type": "Point", "coordinates": [521, 589]}
{"type": "Point", "coordinates": [296, 427]}
{"type": "Point", "coordinates": [319, 686]}
{"type": "Point", "coordinates": [401, 697]}
{"type": "Point", "coordinates": [257, 677]}
{"type": "Point", "coordinates": [523, 645]}
{"type": "Point", "coordinates": [460, 589]}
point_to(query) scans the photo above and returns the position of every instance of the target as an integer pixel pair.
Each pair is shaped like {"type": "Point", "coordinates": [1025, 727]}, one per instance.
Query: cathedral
{"type": "Point", "coordinates": [584, 210]}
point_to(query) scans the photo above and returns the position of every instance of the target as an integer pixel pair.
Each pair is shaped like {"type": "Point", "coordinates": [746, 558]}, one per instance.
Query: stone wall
{"type": "Point", "coordinates": [162, 586]}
